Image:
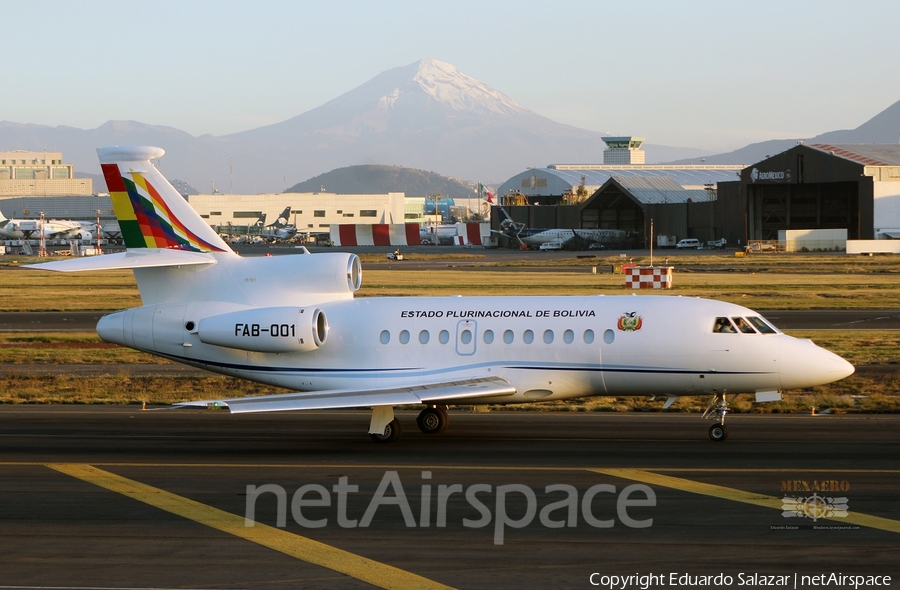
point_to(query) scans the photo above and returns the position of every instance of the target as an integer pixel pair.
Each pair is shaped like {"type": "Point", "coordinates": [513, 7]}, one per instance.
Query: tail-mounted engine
{"type": "Point", "coordinates": [270, 329]}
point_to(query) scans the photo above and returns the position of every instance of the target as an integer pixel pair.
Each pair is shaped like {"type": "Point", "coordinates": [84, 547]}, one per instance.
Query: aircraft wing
{"type": "Point", "coordinates": [144, 258]}
{"type": "Point", "coordinates": [341, 398]}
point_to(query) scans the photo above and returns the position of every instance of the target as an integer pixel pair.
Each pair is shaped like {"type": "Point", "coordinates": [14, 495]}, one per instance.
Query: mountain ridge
{"type": "Point", "coordinates": [426, 115]}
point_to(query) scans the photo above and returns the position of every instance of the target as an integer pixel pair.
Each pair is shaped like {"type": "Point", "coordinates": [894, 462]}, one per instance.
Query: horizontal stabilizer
{"type": "Point", "coordinates": [324, 400]}
{"type": "Point", "coordinates": [144, 258]}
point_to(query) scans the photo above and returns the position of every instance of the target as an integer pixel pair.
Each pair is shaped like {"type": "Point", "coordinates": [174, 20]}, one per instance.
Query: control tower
{"type": "Point", "coordinates": [623, 150]}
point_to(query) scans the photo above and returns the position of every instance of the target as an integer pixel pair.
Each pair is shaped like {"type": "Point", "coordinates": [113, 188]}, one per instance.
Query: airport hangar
{"type": "Point", "coordinates": [849, 186]}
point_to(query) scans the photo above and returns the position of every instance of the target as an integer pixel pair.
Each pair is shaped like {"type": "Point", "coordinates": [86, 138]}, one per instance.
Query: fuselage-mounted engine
{"type": "Point", "coordinates": [268, 329]}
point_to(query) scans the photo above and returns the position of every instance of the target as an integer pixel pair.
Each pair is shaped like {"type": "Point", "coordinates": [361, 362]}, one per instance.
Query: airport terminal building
{"type": "Point", "coordinates": [310, 213]}
{"type": "Point", "coordinates": [24, 172]}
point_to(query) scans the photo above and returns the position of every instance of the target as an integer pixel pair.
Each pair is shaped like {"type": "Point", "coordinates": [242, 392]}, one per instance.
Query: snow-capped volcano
{"type": "Point", "coordinates": [426, 115]}
{"type": "Point", "coordinates": [453, 89]}
{"type": "Point", "coordinates": [421, 95]}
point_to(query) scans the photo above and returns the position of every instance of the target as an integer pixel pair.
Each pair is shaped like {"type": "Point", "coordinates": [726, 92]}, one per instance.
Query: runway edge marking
{"type": "Point", "coordinates": [735, 495]}
{"type": "Point", "coordinates": [296, 546]}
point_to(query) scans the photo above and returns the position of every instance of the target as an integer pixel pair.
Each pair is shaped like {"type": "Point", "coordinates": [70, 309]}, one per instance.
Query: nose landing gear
{"type": "Point", "coordinates": [718, 407]}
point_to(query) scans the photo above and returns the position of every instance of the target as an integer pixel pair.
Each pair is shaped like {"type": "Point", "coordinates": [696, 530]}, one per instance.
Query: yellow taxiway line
{"type": "Point", "coordinates": [374, 572]}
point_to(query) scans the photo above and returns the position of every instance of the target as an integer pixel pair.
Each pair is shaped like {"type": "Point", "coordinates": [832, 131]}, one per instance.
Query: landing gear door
{"type": "Point", "coordinates": [465, 337]}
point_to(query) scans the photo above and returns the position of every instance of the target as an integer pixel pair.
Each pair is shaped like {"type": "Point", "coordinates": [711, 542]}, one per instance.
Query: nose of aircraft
{"type": "Point", "coordinates": [806, 365]}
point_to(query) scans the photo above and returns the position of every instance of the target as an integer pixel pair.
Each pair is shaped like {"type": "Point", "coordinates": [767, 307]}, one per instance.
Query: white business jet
{"type": "Point", "coordinates": [293, 321]}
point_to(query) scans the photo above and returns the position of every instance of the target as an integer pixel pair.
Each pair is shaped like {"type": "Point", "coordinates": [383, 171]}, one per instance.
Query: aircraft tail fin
{"type": "Point", "coordinates": [151, 213]}
{"type": "Point", "coordinates": [285, 217]}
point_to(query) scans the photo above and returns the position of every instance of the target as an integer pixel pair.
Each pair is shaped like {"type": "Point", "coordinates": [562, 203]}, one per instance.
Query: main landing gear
{"type": "Point", "coordinates": [385, 428]}
{"type": "Point", "coordinates": [719, 407]}
{"type": "Point", "coordinates": [433, 419]}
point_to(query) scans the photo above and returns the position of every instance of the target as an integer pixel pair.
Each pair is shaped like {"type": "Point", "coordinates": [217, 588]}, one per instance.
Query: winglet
{"type": "Point", "coordinates": [150, 211]}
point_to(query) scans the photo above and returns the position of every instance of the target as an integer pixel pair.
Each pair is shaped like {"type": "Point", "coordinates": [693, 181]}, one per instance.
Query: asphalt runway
{"type": "Point", "coordinates": [838, 319]}
{"type": "Point", "coordinates": [116, 497]}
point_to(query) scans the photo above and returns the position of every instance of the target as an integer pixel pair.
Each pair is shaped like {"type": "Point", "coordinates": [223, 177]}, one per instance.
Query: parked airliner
{"type": "Point", "coordinates": [18, 229]}
{"type": "Point", "coordinates": [534, 237]}
{"type": "Point", "coordinates": [293, 321]}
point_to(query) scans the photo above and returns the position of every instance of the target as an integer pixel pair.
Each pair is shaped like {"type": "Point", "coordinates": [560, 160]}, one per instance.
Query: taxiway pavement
{"type": "Point", "coordinates": [106, 497]}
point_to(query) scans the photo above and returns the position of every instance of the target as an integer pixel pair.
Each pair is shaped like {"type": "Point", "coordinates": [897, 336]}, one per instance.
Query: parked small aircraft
{"type": "Point", "coordinates": [535, 237]}
{"type": "Point", "coordinates": [25, 229]}
{"type": "Point", "coordinates": [293, 321]}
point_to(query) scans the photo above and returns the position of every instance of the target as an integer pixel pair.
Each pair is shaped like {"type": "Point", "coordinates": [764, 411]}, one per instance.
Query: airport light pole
{"type": "Point", "coordinates": [42, 250]}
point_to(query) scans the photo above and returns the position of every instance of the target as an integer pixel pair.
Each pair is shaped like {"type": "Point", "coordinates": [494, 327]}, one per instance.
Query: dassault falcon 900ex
{"type": "Point", "coordinates": [293, 321]}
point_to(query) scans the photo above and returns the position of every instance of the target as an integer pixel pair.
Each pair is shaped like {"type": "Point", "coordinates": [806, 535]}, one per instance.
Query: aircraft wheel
{"type": "Point", "coordinates": [432, 420]}
{"type": "Point", "coordinates": [391, 432]}
{"type": "Point", "coordinates": [717, 432]}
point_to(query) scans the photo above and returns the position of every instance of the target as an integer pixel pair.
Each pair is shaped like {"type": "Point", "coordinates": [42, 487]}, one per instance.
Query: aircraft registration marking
{"type": "Point", "coordinates": [370, 571]}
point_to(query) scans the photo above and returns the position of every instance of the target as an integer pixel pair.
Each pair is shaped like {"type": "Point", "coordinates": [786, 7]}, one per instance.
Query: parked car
{"type": "Point", "coordinates": [550, 246]}
{"type": "Point", "coordinates": [688, 243]}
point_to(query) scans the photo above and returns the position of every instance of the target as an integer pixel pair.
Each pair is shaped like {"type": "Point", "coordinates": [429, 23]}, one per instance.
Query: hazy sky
{"type": "Point", "coordinates": [706, 74]}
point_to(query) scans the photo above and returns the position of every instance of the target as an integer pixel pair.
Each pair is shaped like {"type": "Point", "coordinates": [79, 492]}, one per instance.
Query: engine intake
{"type": "Point", "coordinates": [272, 329]}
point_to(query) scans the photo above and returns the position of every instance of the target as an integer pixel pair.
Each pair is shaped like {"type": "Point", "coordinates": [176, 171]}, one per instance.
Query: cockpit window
{"type": "Point", "coordinates": [761, 325]}
{"type": "Point", "coordinates": [723, 326]}
{"type": "Point", "coordinates": [743, 326]}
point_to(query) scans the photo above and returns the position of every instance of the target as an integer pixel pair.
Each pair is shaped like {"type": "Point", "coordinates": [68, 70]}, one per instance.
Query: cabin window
{"type": "Point", "coordinates": [743, 326]}
{"type": "Point", "coordinates": [723, 326]}
{"type": "Point", "coordinates": [508, 337]}
{"type": "Point", "coordinates": [568, 336]}
{"type": "Point", "coordinates": [385, 337]}
{"type": "Point", "coordinates": [444, 337]}
{"type": "Point", "coordinates": [761, 325]}
{"type": "Point", "coordinates": [404, 337]}
{"type": "Point", "coordinates": [548, 336]}
{"type": "Point", "coordinates": [528, 336]}
{"type": "Point", "coordinates": [488, 336]}
{"type": "Point", "coordinates": [424, 336]}
{"type": "Point", "coordinates": [588, 336]}
{"type": "Point", "coordinates": [609, 336]}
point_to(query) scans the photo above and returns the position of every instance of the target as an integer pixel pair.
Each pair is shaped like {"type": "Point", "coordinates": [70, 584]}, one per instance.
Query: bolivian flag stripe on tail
{"type": "Point", "coordinates": [144, 218]}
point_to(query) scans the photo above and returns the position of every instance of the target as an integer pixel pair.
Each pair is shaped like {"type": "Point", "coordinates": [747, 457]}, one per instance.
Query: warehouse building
{"type": "Point", "coordinates": [820, 186]}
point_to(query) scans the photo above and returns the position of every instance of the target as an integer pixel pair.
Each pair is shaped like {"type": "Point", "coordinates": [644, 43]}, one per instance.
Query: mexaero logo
{"type": "Point", "coordinates": [814, 507]}
{"type": "Point", "coordinates": [144, 217]}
